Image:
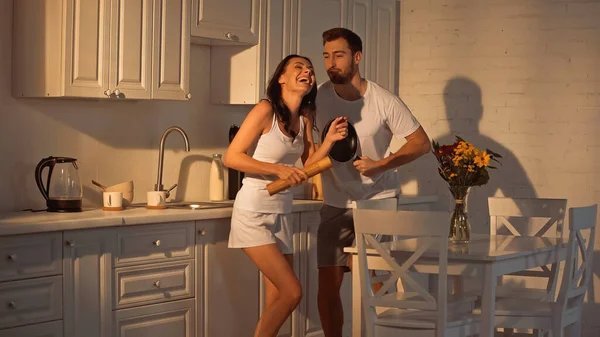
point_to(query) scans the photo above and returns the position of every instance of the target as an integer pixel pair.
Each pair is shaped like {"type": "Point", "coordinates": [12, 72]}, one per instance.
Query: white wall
{"type": "Point", "coordinates": [114, 141]}
{"type": "Point", "coordinates": [520, 77]}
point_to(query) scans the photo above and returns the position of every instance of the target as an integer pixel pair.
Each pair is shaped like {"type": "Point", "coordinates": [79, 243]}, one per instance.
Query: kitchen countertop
{"type": "Point", "coordinates": [26, 222]}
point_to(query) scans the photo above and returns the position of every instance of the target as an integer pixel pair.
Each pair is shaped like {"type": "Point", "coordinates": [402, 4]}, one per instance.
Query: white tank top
{"type": "Point", "coordinates": [277, 148]}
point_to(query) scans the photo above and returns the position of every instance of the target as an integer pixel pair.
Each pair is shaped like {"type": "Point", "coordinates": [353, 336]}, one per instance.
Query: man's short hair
{"type": "Point", "coordinates": [353, 40]}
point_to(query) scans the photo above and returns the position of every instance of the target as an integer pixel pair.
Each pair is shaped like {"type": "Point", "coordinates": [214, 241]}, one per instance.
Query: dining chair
{"type": "Point", "coordinates": [552, 211]}
{"type": "Point", "coordinates": [414, 312]}
{"type": "Point", "coordinates": [566, 311]}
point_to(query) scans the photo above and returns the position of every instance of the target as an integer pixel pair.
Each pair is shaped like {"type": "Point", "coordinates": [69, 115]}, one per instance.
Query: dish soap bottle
{"type": "Point", "coordinates": [216, 186]}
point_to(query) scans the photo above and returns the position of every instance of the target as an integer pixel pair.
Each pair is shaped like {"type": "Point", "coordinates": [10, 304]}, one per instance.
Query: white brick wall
{"type": "Point", "coordinates": [519, 76]}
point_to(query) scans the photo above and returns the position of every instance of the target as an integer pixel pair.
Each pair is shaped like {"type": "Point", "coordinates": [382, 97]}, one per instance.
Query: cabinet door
{"type": "Point", "coordinates": [87, 286]}
{"type": "Point", "coordinates": [172, 319]}
{"type": "Point", "coordinates": [310, 322]}
{"type": "Point", "coordinates": [50, 329]}
{"type": "Point", "coordinates": [383, 59]}
{"type": "Point", "coordinates": [313, 17]}
{"type": "Point", "coordinates": [244, 71]}
{"type": "Point", "coordinates": [87, 46]}
{"type": "Point", "coordinates": [227, 286]}
{"type": "Point", "coordinates": [171, 55]}
{"type": "Point", "coordinates": [359, 21]}
{"type": "Point", "coordinates": [276, 38]}
{"type": "Point", "coordinates": [227, 20]}
{"type": "Point", "coordinates": [290, 327]}
{"type": "Point", "coordinates": [131, 48]}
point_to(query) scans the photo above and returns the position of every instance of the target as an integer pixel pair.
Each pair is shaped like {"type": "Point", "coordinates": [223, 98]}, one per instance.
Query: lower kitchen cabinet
{"type": "Point", "coordinates": [227, 286]}
{"type": "Point", "coordinates": [171, 279]}
{"type": "Point", "coordinates": [50, 329]}
{"type": "Point", "coordinates": [87, 286]}
{"type": "Point", "coordinates": [172, 319]}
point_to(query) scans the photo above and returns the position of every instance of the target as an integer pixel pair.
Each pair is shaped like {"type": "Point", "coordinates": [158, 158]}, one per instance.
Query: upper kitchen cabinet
{"type": "Point", "coordinates": [375, 22]}
{"type": "Point", "coordinates": [135, 49]}
{"type": "Point", "coordinates": [285, 27]}
{"type": "Point", "coordinates": [313, 17]}
{"type": "Point", "coordinates": [225, 21]}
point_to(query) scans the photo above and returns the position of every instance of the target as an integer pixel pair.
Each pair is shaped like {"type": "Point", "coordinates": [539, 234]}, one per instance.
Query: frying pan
{"type": "Point", "coordinates": [342, 151]}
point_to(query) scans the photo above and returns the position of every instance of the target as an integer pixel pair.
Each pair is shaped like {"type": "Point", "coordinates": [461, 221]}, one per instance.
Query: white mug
{"type": "Point", "coordinates": [156, 198]}
{"type": "Point", "coordinates": [112, 199]}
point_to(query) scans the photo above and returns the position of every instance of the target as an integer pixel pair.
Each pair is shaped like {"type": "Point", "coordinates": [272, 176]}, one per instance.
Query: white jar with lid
{"type": "Point", "coordinates": [216, 188]}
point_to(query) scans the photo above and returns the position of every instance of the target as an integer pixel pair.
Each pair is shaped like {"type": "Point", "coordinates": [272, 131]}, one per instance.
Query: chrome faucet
{"type": "Point", "coordinates": [159, 186]}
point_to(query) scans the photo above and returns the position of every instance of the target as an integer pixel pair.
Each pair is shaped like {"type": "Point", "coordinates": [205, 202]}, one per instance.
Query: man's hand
{"type": "Point", "coordinates": [368, 167]}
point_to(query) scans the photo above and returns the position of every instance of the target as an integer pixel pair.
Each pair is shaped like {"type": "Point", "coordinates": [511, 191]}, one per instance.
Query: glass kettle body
{"type": "Point", "coordinates": [63, 190]}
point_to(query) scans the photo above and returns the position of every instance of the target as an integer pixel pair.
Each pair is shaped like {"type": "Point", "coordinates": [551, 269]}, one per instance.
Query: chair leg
{"type": "Point", "coordinates": [557, 329]}
{"type": "Point", "coordinates": [574, 330]}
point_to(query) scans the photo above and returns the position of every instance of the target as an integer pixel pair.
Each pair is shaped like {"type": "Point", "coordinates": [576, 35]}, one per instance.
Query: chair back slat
{"type": "Point", "coordinates": [578, 272]}
{"type": "Point", "coordinates": [504, 209]}
{"type": "Point", "coordinates": [432, 230]}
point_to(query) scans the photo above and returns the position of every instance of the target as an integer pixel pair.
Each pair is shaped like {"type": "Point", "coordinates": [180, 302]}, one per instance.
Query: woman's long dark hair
{"type": "Point", "coordinates": [283, 113]}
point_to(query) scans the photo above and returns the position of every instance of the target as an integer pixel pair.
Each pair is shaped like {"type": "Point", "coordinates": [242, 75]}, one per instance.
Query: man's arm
{"type": "Point", "coordinates": [417, 144]}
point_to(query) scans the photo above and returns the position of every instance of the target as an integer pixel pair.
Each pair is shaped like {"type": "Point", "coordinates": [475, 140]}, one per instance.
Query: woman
{"type": "Point", "coordinates": [276, 133]}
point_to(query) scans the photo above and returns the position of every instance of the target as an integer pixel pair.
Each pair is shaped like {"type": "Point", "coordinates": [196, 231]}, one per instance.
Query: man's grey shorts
{"type": "Point", "coordinates": [336, 232]}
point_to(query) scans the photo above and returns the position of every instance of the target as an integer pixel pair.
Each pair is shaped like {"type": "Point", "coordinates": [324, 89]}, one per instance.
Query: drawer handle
{"type": "Point", "coordinates": [12, 305]}
{"type": "Point", "coordinates": [12, 257]}
{"type": "Point", "coordinates": [156, 284]}
{"type": "Point", "coordinates": [156, 243]}
{"type": "Point", "coordinates": [202, 232]}
{"type": "Point", "coordinates": [229, 36]}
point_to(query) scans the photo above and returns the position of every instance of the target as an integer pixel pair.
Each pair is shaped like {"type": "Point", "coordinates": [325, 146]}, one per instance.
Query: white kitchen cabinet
{"type": "Point", "coordinates": [50, 329]}
{"type": "Point", "coordinates": [375, 22]}
{"type": "Point", "coordinates": [87, 286]}
{"type": "Point", "coordinates": [232, 21]}
{"type": "Point", "coordinates": [136, 49]}
{"type": "Point", "coordinates": [173, 319]}
{"type": "Point", "coordinates": [313, 17]}
{"type": "Point", "coordinates": [227, 284]}
{"type": "Point", "coordinates": [240, 74]}
{"type": "Point", "coordinates": [290, 328]}
{"type": "Point", "coordinates": [286, 27]}
{"type": "Point", "coordinates": [309, 320]}
{"type": "Point", "coordinates": [382, 50]}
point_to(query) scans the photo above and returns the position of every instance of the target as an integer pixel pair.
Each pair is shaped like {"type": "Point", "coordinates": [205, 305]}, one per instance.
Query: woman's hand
{"type": "Point", "coordinates": [338, 130]}
{"type": "Point", "coordinates": [292, 174]}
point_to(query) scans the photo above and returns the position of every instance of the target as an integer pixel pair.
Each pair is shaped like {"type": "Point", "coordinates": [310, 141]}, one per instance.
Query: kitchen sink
{"type": "Point", "coordinates": [194, 205]}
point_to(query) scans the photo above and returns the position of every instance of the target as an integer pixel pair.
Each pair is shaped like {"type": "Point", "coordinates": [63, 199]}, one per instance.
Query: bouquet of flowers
{"type": "Point", "coordinates": [462, 166]}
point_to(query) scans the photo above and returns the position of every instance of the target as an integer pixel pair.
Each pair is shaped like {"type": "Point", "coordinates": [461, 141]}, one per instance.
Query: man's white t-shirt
{"type": "Point", "coordinates": [377, 117]}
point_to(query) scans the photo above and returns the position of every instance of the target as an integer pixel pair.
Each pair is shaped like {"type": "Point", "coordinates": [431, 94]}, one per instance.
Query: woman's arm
{"type": "Point", "coordinates": [256, 123]}
{"type": "Point", "coordinates": [313, 153]}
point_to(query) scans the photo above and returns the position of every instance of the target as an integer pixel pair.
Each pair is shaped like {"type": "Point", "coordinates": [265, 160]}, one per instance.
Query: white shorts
{"type": "Point", "coordinates": [253, 229]}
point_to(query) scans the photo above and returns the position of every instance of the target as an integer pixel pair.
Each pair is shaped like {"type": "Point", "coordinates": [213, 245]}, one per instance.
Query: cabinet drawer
{"type": "Point", "coordinates": [30, 301]}
{"type": "Point", "coordinates": [155, 243]}
{"type": "Point", "coordinates": [157, 283]}
{"type": "Point", "coordinates": [28, 256]}
{"type": "Point", "coordinates": [50, 329]}
{"type": "Point", "coordinates": [173, 319]}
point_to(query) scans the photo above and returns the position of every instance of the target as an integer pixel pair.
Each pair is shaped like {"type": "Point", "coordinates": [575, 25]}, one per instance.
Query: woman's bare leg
{"type": "Point", "coordinates": [283, 290]}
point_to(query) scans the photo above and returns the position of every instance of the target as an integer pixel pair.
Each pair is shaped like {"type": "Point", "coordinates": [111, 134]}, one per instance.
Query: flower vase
{"type": "Point", "coordinates": [460, 229]}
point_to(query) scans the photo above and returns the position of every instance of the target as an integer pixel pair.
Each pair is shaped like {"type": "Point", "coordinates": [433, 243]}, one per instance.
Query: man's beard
{"type": "Point", "coordinates": [338, 77]}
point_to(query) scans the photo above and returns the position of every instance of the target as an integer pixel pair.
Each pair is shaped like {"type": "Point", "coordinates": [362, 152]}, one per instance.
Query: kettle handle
{"type": "Point", "coordinates": [50, 161]}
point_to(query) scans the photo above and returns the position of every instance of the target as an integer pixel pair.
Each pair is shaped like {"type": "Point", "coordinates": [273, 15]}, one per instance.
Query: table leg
{"type": "Point", "coordinates": [488, 303]}
{"type": "Point", "coordinates": [357, 311]}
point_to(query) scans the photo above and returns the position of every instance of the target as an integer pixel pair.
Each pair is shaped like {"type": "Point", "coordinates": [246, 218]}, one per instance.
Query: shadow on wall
{"type": "Point", "coordinates": [464, 111]}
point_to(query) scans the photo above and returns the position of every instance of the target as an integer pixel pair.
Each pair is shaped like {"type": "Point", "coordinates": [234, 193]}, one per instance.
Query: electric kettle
{"type": "Point", "coordinates": [63, 191]}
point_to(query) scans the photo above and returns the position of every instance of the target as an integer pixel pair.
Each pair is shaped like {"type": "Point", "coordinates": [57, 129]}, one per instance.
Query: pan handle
{"type": "Point", "coordinates": [311, 170]}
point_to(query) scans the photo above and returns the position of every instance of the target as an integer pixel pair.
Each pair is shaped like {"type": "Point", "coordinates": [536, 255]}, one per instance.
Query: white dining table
{"type": "Point", "coordinates": [486, 257]}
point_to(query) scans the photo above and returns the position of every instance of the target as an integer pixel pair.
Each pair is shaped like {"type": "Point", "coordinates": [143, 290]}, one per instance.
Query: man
{"type": "Point", "coordinates": [377, 116]}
